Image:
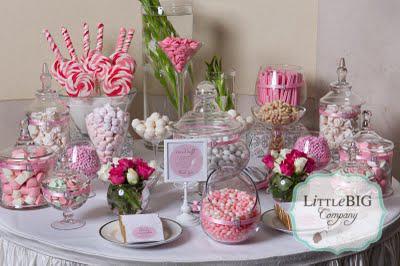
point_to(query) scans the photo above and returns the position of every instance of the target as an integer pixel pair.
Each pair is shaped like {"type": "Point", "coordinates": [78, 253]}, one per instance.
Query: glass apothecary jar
{"type": "Point", "coordinates": [230, 209]}
{"type": "Point", "coordinates": [162, 19]}
{"type": "Point", "coordinates": [48, 116]}
{"type": "Point", "coordinates": [373, 150]}
{"type": "Point", "coordinates": [22, 168]}
{"type": "Point", "coordinates": [339, 111]}
{"type": "Point", "coordinates": [281, 82]}
{"type": "Point", "coordinates": [225, 146]}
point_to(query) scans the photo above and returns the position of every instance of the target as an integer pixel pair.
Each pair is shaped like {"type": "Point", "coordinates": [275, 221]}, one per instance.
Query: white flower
{"type": "Point", "coordinates": [283, 153]}
{"type": "Point", "coordinates": [299, 164]}
{"type": "Point", "coordinates": [277, 168]}
{"type": "Point", "coordinates": [153, 164]}
{"type": "Point", "coordinates": [275, 154]}
{"type": "Point", "coordinates": [103, 173]}
{"type": "Point", "coordinates": [132, 177]}
{"type": "Point", "coordinates": [115, 160]}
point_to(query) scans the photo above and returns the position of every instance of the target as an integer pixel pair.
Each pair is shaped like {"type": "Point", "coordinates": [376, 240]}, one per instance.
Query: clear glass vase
{"type": "Point", "coordinates": [171, 18]}
{"type": "Point", "coordinates": [127, 199]}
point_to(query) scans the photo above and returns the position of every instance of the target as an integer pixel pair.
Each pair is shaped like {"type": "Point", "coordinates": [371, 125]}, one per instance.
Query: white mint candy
{"type": "Point", "coordinates": [165, 118]}
{"type": "Point", "coordinates": [155, 115]}
{"type": "Point", "coordinates": [232, 113]}
{"type": "Point", "coordinates": [160, 123]}
{"type": "Point", "coordinates": [160, 132]}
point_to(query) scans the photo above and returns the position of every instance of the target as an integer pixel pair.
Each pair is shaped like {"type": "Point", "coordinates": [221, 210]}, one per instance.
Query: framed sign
{"type": "Point", "coordinates": [185, 160]}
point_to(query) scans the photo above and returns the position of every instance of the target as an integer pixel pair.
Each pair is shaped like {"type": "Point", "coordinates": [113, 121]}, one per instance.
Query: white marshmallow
{"type": "Point", "coordinates": [23, 177]}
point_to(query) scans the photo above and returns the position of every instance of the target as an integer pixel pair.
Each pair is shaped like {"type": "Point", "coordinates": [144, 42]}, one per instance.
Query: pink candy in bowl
{"type": "Point", "coordinates": [230, 210]}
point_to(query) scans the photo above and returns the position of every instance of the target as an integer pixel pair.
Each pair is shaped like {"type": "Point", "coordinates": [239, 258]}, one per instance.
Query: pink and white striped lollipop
{"type": "Point", "coordinates": [97, 65]}
{"type": "Point", "coordinates": [99, 39]}
{"type": "Point", "coordinates": [56, 66]}
{"type": "Point", "coordinates": [118, 81]}
{"type": "Point", "coordinates": [179, 50]}
{"type": "Point", "coordinates": [124, 60]}
{"type": "Point", "coordinates": [68, 43]}
{"type": "Point", "coordinates": [86, 40]}
{"type": "Point", "coordinates": [79, 84]}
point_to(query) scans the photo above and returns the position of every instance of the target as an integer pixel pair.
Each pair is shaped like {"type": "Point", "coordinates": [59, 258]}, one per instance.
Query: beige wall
{"type": "Point", "coordinates": [246, 33]}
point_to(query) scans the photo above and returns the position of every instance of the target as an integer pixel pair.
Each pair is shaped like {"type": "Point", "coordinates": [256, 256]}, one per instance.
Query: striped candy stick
{"type": "Point", "coordinates": [128, 40]}
{"type": "Point", "coordinates": [53, 46]}
{"type": "Point", "coordinates": [68, 43]}
{"type": "Point", "coordinates": [99, 43]}
{"type": "Point", "coordinates": [86, 40]}
{"type": "Point", "coordinates": [120, 41]}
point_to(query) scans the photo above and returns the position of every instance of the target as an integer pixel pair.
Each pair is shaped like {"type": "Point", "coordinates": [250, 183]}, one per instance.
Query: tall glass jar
{"type": "Point", "coordinates": [48, 116]}
{"type": "Point", "coordinates": [161, 20]}
{"type": "Point", "coordinates": [225, 83]}
{"type": "Point", "coordinates": [339, 111]}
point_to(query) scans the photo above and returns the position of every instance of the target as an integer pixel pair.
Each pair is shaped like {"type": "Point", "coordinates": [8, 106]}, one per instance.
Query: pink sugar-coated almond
{"type": "Point", "coordinates": [24, 190]}
{"type": "Point", "coordinates": [39, 177]}
{"type": "Point", "coordinates": [7, 189]}
{"type": "Point", "coordinates": [15, 185]}
{"type": "Point", "coordinates": [34, 191]}
{"type": "Point", "coordinates": [32, 182]}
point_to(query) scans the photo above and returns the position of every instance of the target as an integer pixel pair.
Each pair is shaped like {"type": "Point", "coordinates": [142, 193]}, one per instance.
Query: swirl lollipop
{"type": "Point", "coordinates": [79, 84]}
{"type": "Point", "coordinates": [97, 64]}
{"type": "Point", "coordinates": [118, 81]}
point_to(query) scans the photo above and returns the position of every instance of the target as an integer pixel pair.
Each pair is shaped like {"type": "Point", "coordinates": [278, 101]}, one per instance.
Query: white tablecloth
{"type": "Point", "coordinates": [28, 237]}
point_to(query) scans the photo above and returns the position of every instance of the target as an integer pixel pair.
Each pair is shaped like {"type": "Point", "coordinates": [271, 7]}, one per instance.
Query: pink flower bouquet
{"type": "Point", "coordinates": [127, 192]}
{"type": "Point", "coordinates": [288, 167]}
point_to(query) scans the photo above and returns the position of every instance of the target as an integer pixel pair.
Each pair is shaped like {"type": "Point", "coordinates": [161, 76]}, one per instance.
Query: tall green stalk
{"type": "Point", "coordinates": [156, 28]}
{"type": "Point", "coordinates": [215, 75]}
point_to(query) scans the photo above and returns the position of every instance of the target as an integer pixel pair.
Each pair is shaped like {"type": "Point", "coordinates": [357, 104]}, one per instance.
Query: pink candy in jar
{"type": "Point", "coordinates": [315, 147]}
{"type": "Point", "coordinates": [82, 157]}
{"type": "Point", "coordinates": [22, 168]}
{"type": "Point", "coordinates": [230, 215]}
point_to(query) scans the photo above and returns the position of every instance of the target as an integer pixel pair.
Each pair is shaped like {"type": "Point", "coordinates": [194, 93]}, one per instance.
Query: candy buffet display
{"type": "Point", "coordinates": [107, 127]}
{"type": "Point", "coordinates": [22, 168]}
{"type": "Point", "coordinates": [246, 122]}
{"type": "Point", "coordinates": [94, 79]}
{"type": "Point", "coordinates": [225, 148]}
{"type": "Point", "coordinates": [373, 150]}
{"type": "Point", "coordinates": [339, 111]}
{"type": "Point", "coordinates": [316, 147]}
{"type": "Point", "coordinates": [180, 51]}
{"type": "Point", "coordinates": [159, 21]}
{"type": "Point", "coordinates": [288, 168]}
{"type": "Point", "coordinates": [281, 82]}
{"type": "Point", "coordinates": [224, 83]}
{"type": "Point", "coordinates": [127, 191]}
{"type": "Point", "coordinates": [230, 209]}
{"type": "Point", "coordinates": [277, 115]}
{"type": "Point", "coordinates": [48, 116]}
{"type": "Point", "coordinates": [66, 190]}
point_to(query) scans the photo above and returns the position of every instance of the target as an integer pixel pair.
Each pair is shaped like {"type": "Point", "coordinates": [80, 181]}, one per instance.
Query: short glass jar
{"type": "Point", "coordinates": [22, 168]}
{"type": "Point", "coordinates": [375, 151]}
{"type": "Point", "coordinates": [230, 209]}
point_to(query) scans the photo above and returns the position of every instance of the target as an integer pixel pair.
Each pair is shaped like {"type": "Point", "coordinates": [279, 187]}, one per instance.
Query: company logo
{"type": "Point", "coordinates": [337, 212]}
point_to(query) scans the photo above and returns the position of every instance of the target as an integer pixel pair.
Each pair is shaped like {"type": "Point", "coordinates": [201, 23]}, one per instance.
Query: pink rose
{"type": "Point", "coordinates": [143, 169]}
{"type": "Point", "coordinates": [294, 154]}
{"type": "Point", "coordinates": [310, 166]}
{"type": "Point", "coordinates": [287, 168]}
{"type": "Point", "coordinates": [117, 175]}
{"type": "Point", "coordinates": [126, 164]}
{"type": "Point", "coordinates": [268, 160]}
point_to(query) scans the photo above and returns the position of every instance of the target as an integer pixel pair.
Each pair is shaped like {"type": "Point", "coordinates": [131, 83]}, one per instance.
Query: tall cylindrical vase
{"type": "Point", "coordinates": [171, 18]}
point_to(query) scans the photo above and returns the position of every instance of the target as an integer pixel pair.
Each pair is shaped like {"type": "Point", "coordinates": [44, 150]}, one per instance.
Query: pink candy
{"type": "Point", "coordinates": [179, 50]}
{"type": "Point", "coordinates": [84, 159]}
{"type": "Point", "coordinates": [230, 215]}
{"type": "Point", "coordinates": [315, 147]}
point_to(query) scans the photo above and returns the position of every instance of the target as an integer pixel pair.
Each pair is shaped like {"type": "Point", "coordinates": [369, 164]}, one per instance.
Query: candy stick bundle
{"type": "Point", "coordinates": [279, 84]}
{"type": "Point", "coordinates": [82, 76]}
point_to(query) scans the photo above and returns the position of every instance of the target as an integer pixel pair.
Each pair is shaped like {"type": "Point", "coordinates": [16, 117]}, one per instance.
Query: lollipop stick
{"type": "Point", "coordinates": [68, 43]}
{"type": "Point", "coordinates": [128, 40]}
{"type": "Point", "coordinates": [86, 40]}
{"type": "Point", "coordinates": [120, 41]}
{"type": "Point", "coordinates": [99, 43]}
{"type": "Point", "coordinates": [53, 46]}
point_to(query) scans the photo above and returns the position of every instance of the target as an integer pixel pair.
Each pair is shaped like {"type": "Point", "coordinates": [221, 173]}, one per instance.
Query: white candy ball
{"type": "Point", "coordinates": [160, 132]}
{"type": "Point", "coordinates": [155, 116]}
{"type": "Point", "coordinates": [232, 113]}
{"type": "Point", "coordinates": [149, 123]}
{"type": "Point", "coordinates": [160, 123]}
{"type": "Point", "coordinates": [165, 118]}
{"type": "Point", "coordinates": [135, 123]}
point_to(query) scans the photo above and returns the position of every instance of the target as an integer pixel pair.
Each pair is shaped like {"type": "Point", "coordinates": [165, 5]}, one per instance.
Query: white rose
{"type": "Point", "coordinates": [299, 164]}
{"type": "Point", "coordinates": [275, 154]}
{"type": "Point", "coordinates": [132, 177]}
{"type": "Point", "coordinates": [103, 173]}
{"type": "Point", "coordinates": [277, 168]}
{"type": "Point", "coordinates": [153, 164]}
{"type": "Point", "coordinates": [284, 152]}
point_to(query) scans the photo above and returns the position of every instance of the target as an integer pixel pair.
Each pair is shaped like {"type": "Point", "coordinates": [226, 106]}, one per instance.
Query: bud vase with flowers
{"type": "Point", "coordinates": [288, 168]}
{"type": "Point", "coordinates": [127, 192]}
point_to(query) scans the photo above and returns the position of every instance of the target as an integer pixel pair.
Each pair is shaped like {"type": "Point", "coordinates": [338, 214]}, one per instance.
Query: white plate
{"type": "Point", "coordinates": [111, 232]}
{"type": "Point", "coordinates": [271, 220]}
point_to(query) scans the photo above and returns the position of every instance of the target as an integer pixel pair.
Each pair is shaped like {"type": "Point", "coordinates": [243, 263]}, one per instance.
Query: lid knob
{"type": "Point", "coordinates": [366, 119]}
{"type": "Point", "coordinates": [353, 150]}
{"type": "Point", "coordinates": [45, 78]}
{"type": "Point", "coordinates": [342, 71]}
{"type": "Point", "coordinates": [207, 89]}
{"type": "Point", "coordinates": [24, 137]}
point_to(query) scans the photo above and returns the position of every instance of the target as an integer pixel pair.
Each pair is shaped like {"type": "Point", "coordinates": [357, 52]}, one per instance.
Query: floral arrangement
{"type": "Point", "coordinates": [288, 167]}
{"type": "Point", "coordinates": [127, 178]}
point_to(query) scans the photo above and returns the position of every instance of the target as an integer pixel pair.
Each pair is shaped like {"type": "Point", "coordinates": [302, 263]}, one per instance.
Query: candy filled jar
{"type": "Point", "coordinates": [339, 111]}
{"type": "Point", "coordinates": [22, 168]}
{"type": "Point", "coordinates": [373, 150]}
{"type": "Point", "coordinates": [230, 209]}
{"type": "Point", "coordinates": [66, 190]}
{"type": "Point", "coordinates": [48, 116]}
{"type": "Point", "coordinates": [225, 146]}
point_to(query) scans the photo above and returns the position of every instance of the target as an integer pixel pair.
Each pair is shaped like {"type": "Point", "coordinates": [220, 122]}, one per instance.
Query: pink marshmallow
{"type": "Point", "coordinates": [7, 189]}
{"type": "Point", "coordinates": [8, 200]}
{"type": "Point", "coordinates": [39, 200]}
{"type": "Point", "coordinates": [39, 177]}
{"type": "Point", "coordinates": [32, 182]}
{"type": "Point", "coordinates": [34, 191]}
{"type": "Point", "coordinates": [15, 185]}
{"type": "Point", "coordinates": [24, 190]}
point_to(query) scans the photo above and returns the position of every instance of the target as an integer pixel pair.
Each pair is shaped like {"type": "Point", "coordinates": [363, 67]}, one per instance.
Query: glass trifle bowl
{"type": "Point", "coordinates": [225, 145]}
